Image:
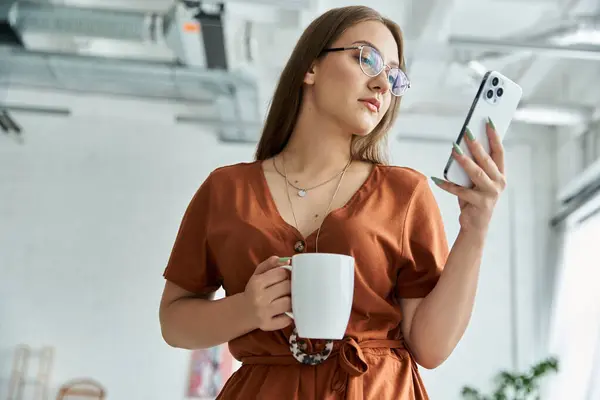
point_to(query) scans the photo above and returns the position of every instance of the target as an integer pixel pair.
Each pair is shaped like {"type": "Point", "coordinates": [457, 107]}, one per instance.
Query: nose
{"type": "Point", "coordinates": [380, 83]}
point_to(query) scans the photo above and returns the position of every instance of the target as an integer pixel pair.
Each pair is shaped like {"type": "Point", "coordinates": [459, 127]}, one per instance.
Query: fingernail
{"type": "Point", "coordinates": [491, 123]}
{"type": "Point", "coordinates": [457, 149]}
{"type": "Point", "coordinates": [469, 134]}
{"type": "Point", "coordinates": [437, 181]}
{"type": "Point", "coordinates": [284, 259]}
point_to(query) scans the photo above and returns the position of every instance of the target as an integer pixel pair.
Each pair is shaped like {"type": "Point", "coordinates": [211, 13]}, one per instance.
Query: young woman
{"type": "Point", "coordinates": [320, 183]}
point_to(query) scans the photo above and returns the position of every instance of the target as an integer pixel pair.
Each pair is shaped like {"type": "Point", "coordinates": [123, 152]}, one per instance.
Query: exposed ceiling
{"type": "Point", "coordinates": [155, 49]}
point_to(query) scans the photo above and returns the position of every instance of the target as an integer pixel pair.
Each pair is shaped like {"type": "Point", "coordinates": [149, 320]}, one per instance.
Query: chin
{"type": "Point", "coordinates": [364, 128]}
{"type": "Point", "coordinates": [359, 122]}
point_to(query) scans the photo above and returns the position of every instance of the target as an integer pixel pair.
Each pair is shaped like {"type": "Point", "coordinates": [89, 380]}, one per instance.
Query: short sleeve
{"type": "Point", "coordinates": [424, 245]}
{"type": "Point", "coordinates": [190, 264]}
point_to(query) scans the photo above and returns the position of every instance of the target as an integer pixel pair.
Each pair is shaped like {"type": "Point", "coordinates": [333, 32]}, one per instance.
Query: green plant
{"type": "Point", "coordinates": [515, 386]}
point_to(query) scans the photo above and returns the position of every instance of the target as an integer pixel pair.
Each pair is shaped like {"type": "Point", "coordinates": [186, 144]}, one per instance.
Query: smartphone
{"type": "Point", "coordinates": [497, 98]}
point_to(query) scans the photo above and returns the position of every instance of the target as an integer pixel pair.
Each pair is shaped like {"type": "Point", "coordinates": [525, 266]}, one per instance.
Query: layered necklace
{"type": "Point", "coordinates": [287, 191]}
{"type": "Point", "coordinates": [303, 191]}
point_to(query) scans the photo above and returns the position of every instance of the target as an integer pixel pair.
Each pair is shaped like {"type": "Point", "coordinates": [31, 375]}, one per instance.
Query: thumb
{"type": "Point", "coordinates": [270, 263]}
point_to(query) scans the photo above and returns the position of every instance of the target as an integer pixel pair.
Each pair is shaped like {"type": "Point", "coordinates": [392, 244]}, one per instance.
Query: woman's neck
{"type": "Point", "coordinates": [318, 146]}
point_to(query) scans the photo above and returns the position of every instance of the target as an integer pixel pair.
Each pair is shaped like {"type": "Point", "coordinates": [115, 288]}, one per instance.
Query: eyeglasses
{"type": "Point", "coordinates": [371, 64]}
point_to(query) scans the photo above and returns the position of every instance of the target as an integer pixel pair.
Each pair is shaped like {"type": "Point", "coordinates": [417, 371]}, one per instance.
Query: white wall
{"type": "Point", "coordinates": [89, 209]}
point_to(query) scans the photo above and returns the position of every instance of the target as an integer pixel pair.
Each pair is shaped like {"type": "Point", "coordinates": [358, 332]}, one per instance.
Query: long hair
{"type": "Point", "coordinates": [285, 105]}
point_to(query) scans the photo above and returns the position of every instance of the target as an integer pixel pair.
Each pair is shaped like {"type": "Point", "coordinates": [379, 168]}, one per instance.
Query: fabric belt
{"type": "Point", "coordinates": [351, 363]}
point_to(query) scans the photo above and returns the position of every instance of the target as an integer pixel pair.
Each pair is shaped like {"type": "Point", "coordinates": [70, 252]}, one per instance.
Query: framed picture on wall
{"type": "Point", "coordinates": [209, 370]}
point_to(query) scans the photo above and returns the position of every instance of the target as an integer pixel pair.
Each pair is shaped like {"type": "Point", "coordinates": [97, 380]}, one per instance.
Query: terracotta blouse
{"type": "Point", "coordinates": [391, 226]}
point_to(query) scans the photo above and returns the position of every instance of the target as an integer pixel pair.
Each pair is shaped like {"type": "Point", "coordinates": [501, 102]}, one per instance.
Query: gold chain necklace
{"type": "Point", "coordinates": [287, 191]}
{"type": "Point", "coordinates": [302, 192]}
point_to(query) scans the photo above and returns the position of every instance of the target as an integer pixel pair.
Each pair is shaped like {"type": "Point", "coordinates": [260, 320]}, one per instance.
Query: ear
{"type": "Point", "coordinates": [309, 77]}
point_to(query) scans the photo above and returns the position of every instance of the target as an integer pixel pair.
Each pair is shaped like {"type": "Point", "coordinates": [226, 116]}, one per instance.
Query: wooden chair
{"type": "Point", "coordinates": [81, 389]}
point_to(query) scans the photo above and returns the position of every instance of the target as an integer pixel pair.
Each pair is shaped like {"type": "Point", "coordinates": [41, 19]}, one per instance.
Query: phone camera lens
{"type": "Point", "coordinates": [495, 82]}
{"type": "Point", "coordinates": [490, 94]}
{"type": "Point", "coordinates": [500, 92]}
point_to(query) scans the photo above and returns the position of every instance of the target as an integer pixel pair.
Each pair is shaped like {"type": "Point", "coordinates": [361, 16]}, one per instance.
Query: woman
{"type": "Point", "coordinates": [320, 183]}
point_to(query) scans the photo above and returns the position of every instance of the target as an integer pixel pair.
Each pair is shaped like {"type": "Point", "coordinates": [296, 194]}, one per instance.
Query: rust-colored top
{"type": "Point", "coordinates": [391, 226]}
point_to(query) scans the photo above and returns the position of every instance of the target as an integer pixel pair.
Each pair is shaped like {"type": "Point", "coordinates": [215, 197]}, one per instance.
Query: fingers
{"type": "Point", "coordinates": [268, 292]}
{"type": "Point", "coordinates": [278, 290]}
{"type": "Point", "coordinates": [281, 305]}
{"type": "Point", "coordinates": [496, 148]}
{"type": "Point", "coordinates": [270, 263]}
{"type": "Point", "coordinates": [280, 322]}
{"type": "Point", "coordinates": [485, 170]}
{"type": "Point", "coordinates": [273, 277]}
{"type": "Point", "coordinates": [463, 193]}
{"type": "Point", "coordinates": [474, 171]}
{"type": "Point", "coordinates": [482, 158]}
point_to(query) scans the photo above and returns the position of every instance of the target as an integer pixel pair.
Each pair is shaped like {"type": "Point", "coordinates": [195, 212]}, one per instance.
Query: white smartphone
{"type": "Point", "coordinates": [497, 98]}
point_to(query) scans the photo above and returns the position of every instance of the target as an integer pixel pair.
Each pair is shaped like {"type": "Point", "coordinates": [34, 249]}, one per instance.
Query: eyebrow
{"type": "Point", "coordinates": [392, 63]}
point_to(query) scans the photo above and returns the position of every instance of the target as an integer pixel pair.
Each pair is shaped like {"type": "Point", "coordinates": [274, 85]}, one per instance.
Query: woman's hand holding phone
{"type": "Point", "coordinates": [486, 171]}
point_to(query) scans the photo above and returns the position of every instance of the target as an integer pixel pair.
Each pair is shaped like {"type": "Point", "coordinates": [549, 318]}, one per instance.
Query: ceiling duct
{"type": "Point", "coordinates": [7, 33]}
{"type": "Point", "coordinates": [178, 55]}
{"type": "Point", "coordinates": [220, 98]}
{"type": "Point", "coordinates": [175, 55]}
{"type": "Point", "coordinates": [189, 32]}
{"type": "Point", "coordinates": [120, 77]}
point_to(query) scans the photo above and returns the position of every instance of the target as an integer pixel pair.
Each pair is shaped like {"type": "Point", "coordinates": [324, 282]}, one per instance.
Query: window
{"type": "Point", "coordinates": [575, 328]}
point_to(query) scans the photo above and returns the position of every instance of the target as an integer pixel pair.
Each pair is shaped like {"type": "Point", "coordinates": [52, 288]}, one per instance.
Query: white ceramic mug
{"type": "Point", "coordinates": [322, 294]}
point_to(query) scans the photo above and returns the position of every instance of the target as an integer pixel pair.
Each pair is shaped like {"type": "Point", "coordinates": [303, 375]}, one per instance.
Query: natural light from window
{"type": "Point", "coordinates": [575, 335]}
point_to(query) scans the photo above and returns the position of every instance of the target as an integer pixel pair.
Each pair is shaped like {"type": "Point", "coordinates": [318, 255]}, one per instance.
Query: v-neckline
{"type": "Point", "coordinates": [272, 211]}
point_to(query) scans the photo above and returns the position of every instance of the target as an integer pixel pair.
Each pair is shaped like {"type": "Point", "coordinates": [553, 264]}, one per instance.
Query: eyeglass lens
{"type": "Point", "coordinates": [372, 64]}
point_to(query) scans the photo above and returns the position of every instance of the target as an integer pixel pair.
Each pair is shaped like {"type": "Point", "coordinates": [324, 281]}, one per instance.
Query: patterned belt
{"type": "Point", "coordinates": [351, 363]}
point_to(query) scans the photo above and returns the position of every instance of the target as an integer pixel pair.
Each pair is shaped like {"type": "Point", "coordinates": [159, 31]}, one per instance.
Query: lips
{"type": "Point", "coordinates": [372, 104]}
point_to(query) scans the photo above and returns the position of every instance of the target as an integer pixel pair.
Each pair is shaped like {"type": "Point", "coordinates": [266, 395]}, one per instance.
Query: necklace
{"type": "Point", "coordinates": [287, 191]}
{"type": "Point", "coordinates": [302, 192]}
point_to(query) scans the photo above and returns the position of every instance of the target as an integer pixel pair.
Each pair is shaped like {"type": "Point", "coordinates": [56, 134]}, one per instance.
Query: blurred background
{"type": "Point", "coordinates": [112, 113]}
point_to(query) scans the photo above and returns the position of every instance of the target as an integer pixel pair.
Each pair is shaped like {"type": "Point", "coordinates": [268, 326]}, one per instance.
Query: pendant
{"type": "Point", "coordinates": [301, 193]}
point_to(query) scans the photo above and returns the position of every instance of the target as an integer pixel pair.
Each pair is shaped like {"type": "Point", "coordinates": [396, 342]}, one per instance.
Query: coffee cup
{"type": "Point", "coordinates": [322, 294]}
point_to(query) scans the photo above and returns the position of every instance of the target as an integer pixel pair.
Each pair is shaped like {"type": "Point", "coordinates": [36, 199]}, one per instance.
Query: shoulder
{"type": "Point", "coordinates": [414, 190]}
{"type": "Point", "coordinates": [232, 172]}
{"type": "Point", "coordinates": [409, 189]}
{"type": "Point", "coordinates": [225, 181]}
{"type": "Point", "coordinates": [230, 178]}
{"type": "Point", "coordinates": [402, 180]}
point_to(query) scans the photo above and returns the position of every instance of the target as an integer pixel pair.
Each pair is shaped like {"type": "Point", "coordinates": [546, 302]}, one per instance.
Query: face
{"type": "Point", "coordinates": [340, 89]}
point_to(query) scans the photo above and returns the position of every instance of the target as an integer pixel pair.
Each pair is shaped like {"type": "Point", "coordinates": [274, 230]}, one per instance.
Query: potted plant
{"type": "Point", "coordinates": [516, 386]}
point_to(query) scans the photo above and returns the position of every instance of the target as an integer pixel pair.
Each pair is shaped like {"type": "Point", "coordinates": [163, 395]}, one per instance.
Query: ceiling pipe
{"type": "Point", "coordinates": [590, 53]}
{"type": "Point", "coordinates": [559, 41]}
{"type": "Point", "coordinates": [561, 29]}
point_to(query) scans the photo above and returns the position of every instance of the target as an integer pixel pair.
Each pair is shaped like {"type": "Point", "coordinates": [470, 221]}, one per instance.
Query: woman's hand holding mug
{"type": "Point", "coordinates": [268, 294]}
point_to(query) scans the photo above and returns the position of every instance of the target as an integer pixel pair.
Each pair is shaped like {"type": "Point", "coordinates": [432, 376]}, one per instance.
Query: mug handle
{"type": "Point", "coordinates": [289, 268]}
